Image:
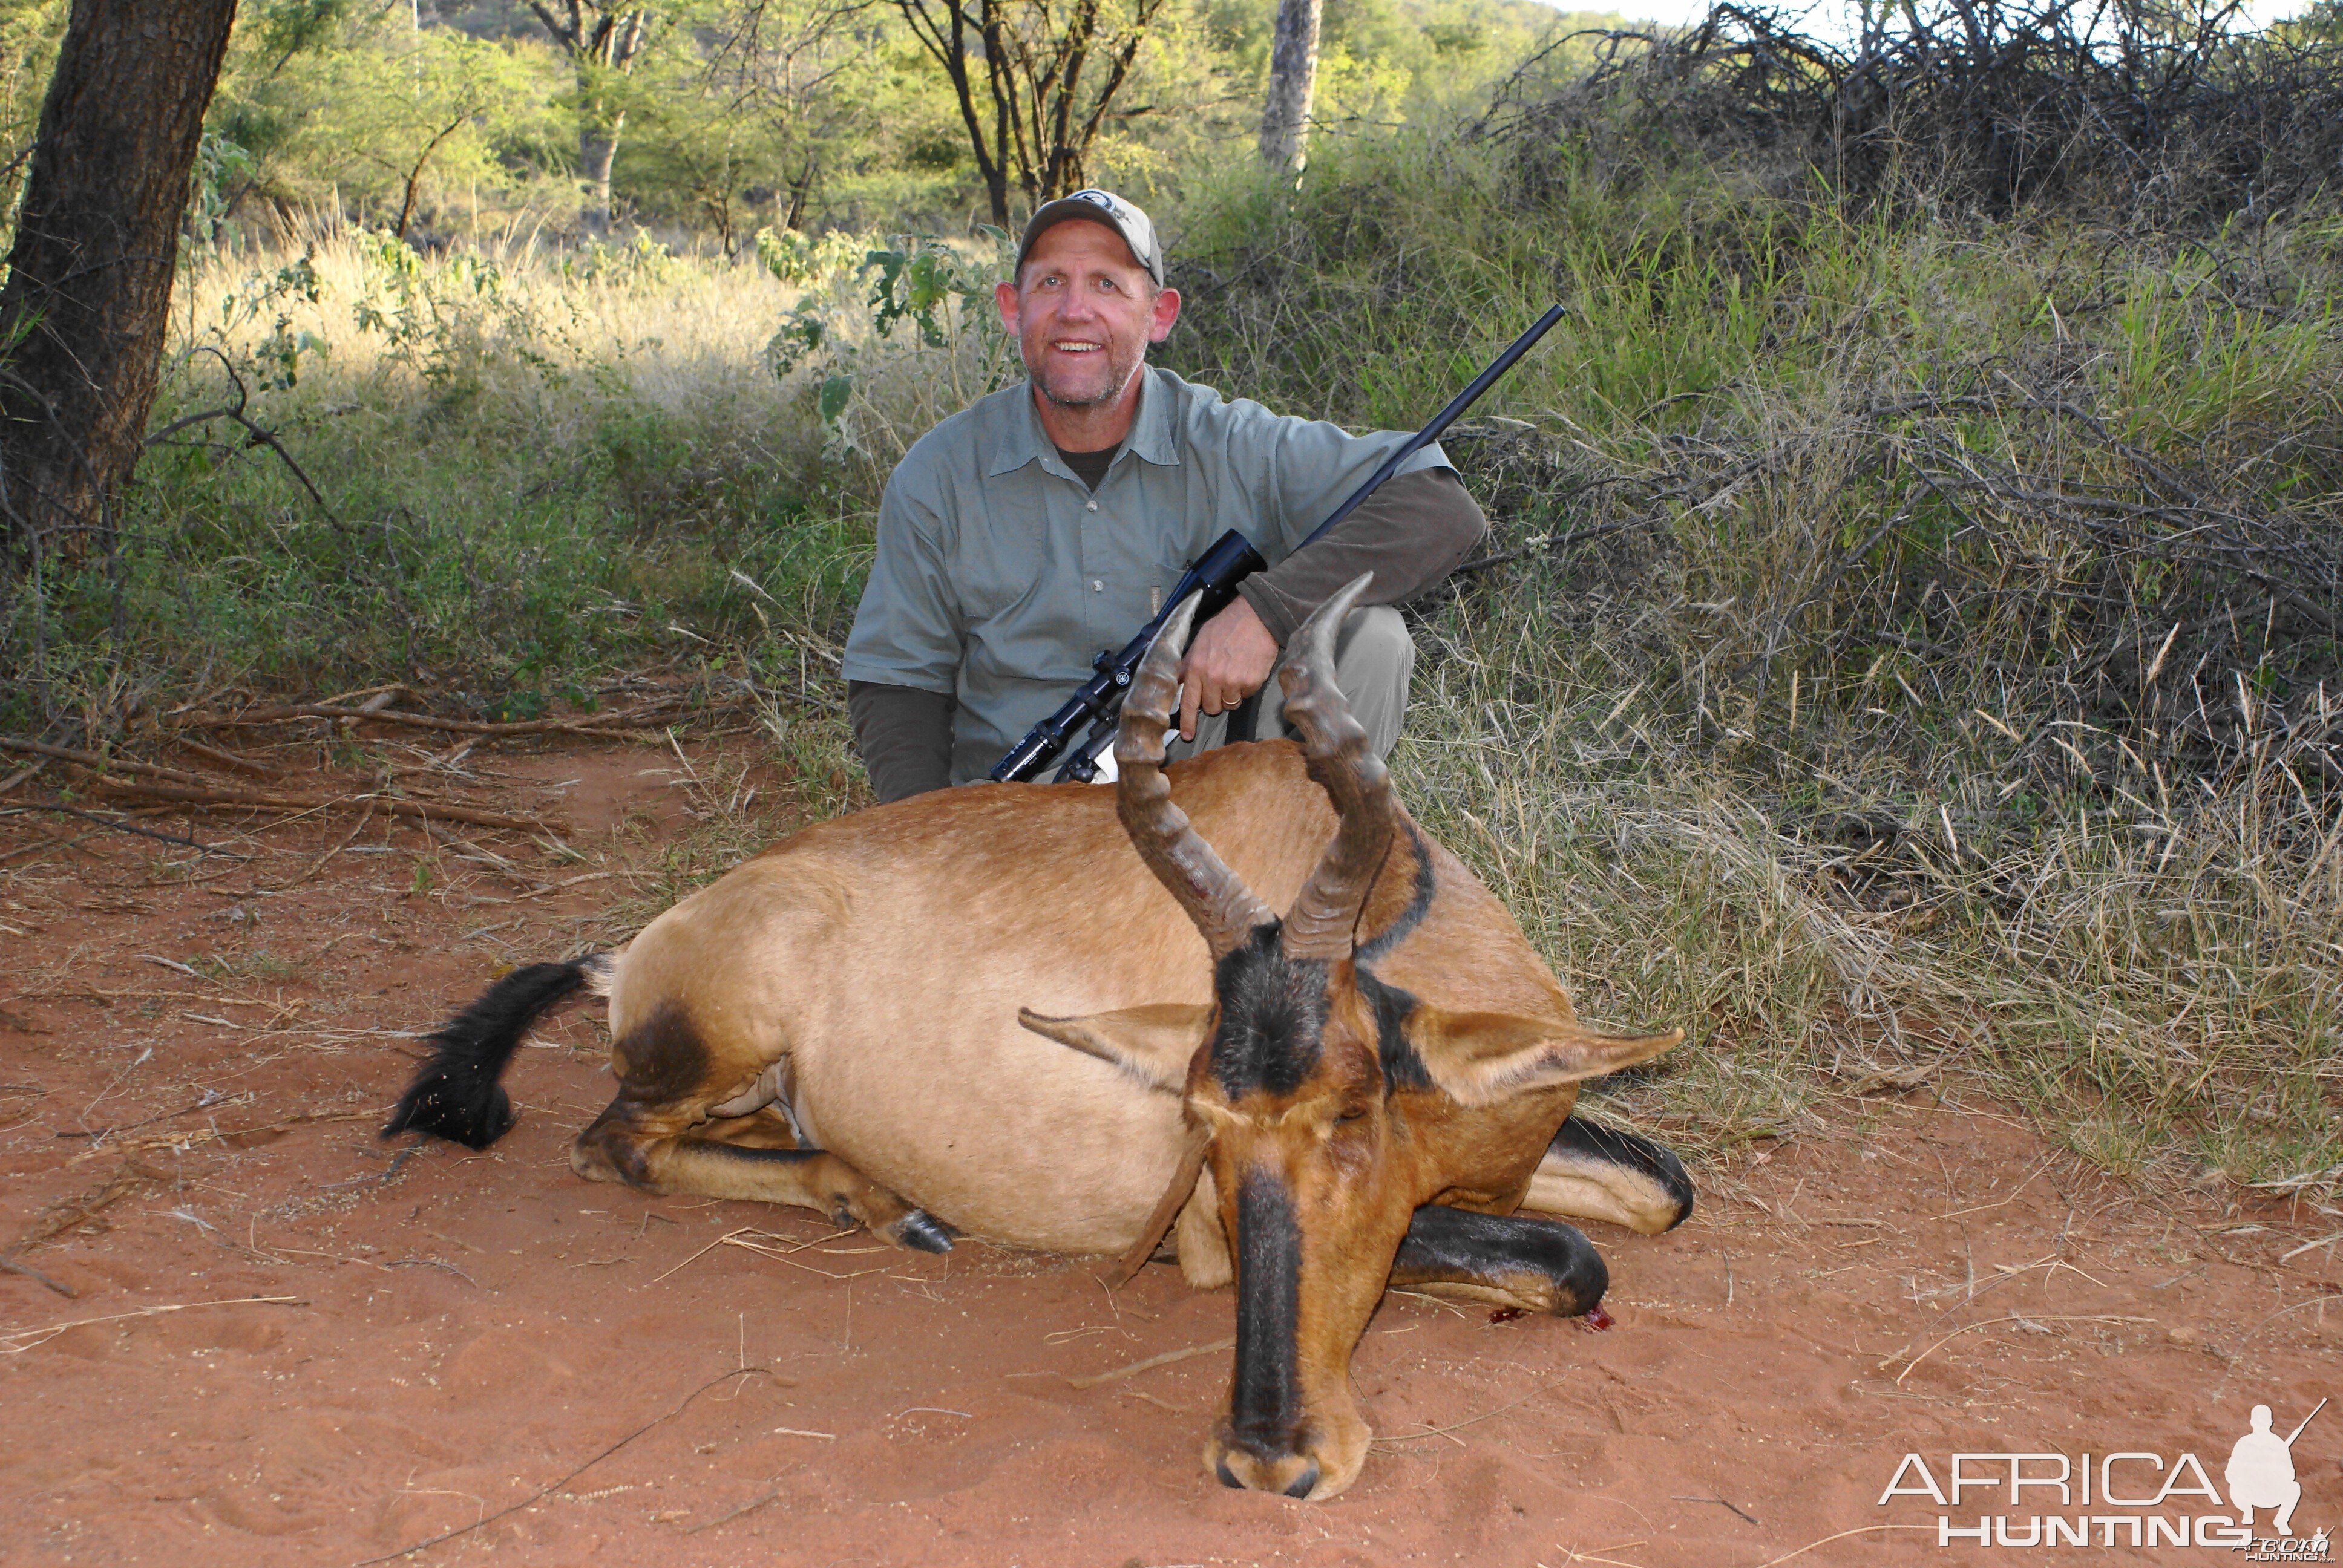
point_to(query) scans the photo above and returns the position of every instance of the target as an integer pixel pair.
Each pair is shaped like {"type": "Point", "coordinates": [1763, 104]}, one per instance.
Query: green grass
{"type": "Point", "coordinates": [1848, 489]}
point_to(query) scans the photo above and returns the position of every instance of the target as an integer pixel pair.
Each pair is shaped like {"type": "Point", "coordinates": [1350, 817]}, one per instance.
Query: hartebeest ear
{"type": "Point", "coordinates": [1152, 1045]}
{"type": "Point", "coordinates": [1481, 1057]}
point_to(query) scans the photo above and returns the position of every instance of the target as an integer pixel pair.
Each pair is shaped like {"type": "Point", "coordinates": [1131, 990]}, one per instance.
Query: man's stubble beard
{"type": "Point", "coordinates": [1121, 369]}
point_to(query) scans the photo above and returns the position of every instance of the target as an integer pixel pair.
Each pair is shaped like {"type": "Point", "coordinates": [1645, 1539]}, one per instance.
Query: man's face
{"type": "Point", "coordinates": [1083, 313]}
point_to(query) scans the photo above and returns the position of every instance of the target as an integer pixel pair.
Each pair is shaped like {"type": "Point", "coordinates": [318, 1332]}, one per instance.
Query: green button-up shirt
{"type": "Point", "coordinates": [999, 575]}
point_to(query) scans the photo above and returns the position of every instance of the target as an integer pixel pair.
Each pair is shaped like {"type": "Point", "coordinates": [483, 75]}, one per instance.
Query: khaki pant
{"type": "Point", "coordinates": [1374, 657]}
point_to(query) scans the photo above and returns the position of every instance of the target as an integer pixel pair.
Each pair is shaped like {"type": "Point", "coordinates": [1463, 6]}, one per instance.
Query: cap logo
{"type": "Point", "coordinates": [1127, 220]}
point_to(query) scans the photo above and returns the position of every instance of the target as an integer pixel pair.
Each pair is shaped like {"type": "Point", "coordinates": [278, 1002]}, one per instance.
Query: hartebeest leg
{"type": "Point", "coordinates": [746, 1156]}
{"type": "Point", "coordinates": [1512, 1260]}
{"type": "Point", "coordinates": [1595, 1172]}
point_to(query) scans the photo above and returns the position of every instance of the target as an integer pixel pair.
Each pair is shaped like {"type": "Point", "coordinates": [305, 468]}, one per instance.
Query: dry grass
{"type": "Point", "coordinates": [519, 324]}
{"type": "Point", "coordinates": [2162, 989]}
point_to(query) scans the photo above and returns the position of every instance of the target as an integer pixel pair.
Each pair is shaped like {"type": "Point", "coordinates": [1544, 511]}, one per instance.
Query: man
{"type": "Point", "coordinates": [1044, 523]}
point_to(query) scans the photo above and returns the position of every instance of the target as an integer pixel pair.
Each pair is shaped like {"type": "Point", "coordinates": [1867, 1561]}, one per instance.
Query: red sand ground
{"type": "Point", "coordinates": [449, 1337]}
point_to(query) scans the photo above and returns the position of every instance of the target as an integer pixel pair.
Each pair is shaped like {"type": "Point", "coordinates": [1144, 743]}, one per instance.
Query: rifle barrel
{"type": "Point", "coordinates": [1439, 421]}
{"type": "Point", "coordinates": [2305, 1422]}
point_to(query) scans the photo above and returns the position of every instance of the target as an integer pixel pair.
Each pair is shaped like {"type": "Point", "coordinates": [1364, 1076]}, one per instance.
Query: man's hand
{"type": "Point", "coordinates": [1226, 663]}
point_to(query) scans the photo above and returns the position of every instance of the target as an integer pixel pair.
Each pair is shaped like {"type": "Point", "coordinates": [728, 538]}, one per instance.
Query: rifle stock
{"type": "Point", "coordinates": [1216, 573]}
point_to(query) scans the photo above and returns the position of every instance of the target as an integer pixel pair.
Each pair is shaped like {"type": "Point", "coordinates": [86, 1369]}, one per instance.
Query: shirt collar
{"type": "Point", "coordinates": [1021, 440]}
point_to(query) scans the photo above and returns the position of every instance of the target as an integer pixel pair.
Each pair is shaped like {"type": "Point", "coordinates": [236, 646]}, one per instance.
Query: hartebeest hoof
{"type": "Point", "coordinates": [920, 1231]}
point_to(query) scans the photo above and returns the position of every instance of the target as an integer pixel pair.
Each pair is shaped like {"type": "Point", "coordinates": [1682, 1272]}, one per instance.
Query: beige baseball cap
{"type": "Point", "coordinates": [1095, 206]}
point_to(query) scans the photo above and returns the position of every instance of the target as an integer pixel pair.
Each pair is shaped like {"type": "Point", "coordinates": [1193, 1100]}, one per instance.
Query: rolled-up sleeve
{"type": "Point", "coordinates": [1411, 534]}
{"type": "Point", "coordinates": [907, 630]}
{"type": "Point", "coordinates": [1312, 467]}
{"type": "Point", "coordinates": [1297, 471]}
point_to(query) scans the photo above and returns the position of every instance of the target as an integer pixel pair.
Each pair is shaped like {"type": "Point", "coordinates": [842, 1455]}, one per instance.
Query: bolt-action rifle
{"type": "Point", "coordinates": [1214, 574]}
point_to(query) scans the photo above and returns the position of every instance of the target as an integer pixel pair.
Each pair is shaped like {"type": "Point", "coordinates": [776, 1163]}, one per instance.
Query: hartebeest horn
{"type": "Point", "coordinates": [1325, 913]}
{"type": "Point", "coordinates": [1224, 910]}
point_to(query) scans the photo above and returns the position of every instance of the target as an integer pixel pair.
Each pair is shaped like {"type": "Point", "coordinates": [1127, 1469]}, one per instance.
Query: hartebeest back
{"type": "Point", "coordinates": [870, 1018]}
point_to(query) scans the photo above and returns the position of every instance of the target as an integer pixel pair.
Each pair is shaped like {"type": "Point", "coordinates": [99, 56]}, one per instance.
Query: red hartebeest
{"type": "Point", "coordinates": [1362, 1093]}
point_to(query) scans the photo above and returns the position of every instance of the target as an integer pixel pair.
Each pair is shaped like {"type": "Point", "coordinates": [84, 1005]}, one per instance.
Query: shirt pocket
{"type": "Point", "coordinates": [1003, 562]}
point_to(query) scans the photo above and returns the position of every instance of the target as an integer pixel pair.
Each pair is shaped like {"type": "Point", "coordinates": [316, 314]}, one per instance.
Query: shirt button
{"type": "Point", "coordinates": [1097, 587]}
{"type": "Point", "coordinates": [1093, 505]}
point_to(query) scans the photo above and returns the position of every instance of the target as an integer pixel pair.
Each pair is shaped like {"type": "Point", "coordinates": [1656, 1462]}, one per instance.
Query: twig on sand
{"type": "Point", "coordinates": [435, 1263]}
{"type": "Point", "coordinates": [96, 763]}
{"type": "Point", "coordinates": [612, 724]}
{"type": "Point", "coordinates": [780, 1254]}
{"type": "Point", "coordinates": [1476, 1419]}
{"type": "Point", "coordinates": [709, 1248]}
{"type": "Point", "coordinates": [43, 845]}
{"type": "Point", "coordinates": [30, 1272]}
{"type": "Point", "coordinates": [33, 1338]}
{"type": "Point", "coordinates": [212, 1098]}
{"type": "Point", "coordinates": [1720, 1502]}
{"type": "Point", "coordinates": [2237, 1354]}
{"type": "Point", "coordinates": [318, 864]}
{"type": "Point", "coordinates": [1142, 1394]}
{"type": "Point", "coordinates": [67, 1213]}
{"type": "Point", "coordinates": [772, 1496]}
{"type": "Point", "coordinates": [131, 828]}
{"type": "Point", "coordinates": [1988, 1322]}
{"type": "Point", "coordinates": [397, 806]}
{"type": "Point", "coordinates": [551, 1487]}
{"type": "Point", "coordinates": [1573, 1555]}
{"type": "Point", "coordinates": [237, 760]}
{"type": "Point", "coordinates": [376, 1178]}
{"type": "Point", "coordinates": [122, 776]}
{"type": "Point", "coordinates": [1861, 1530]}
{"type": "Point", "coordinates": [732, 1238]}
{"type": "Point", "coordinates": [232, 1137]}
{"type": "Point", "coordinates": [1151, 1363]}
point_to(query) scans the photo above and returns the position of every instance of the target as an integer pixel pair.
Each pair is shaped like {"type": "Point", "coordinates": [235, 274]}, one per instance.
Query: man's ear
{"type": "Point", "coordinates": [1163, 314]}
{"type": "Point", "coordinates": [1004, 300]}
{"type": "Point", "coordinates": [1151, 1045]}
{"type": "Point", "coordinates": [1481, 1058]}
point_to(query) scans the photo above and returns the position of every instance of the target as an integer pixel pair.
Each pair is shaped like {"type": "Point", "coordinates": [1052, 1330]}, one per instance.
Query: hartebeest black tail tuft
{"type": "Point", "coordinates": [455, 1095]}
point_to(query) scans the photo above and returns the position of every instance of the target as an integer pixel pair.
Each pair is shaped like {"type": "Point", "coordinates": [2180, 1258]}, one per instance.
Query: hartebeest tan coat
{"type": "Point", "coordinates": [873, 1018]}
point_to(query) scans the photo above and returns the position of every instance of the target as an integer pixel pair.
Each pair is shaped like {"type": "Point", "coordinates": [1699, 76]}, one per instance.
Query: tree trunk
{"type": "Point", "coordinates": [602, 46]}
{"type": "Point", "coordinates": [89, 281]}
{"type": "Point", "coordinates": [597, 146]}
{"type": "Point", "coordinates": [802, 193]}
{"type": "Point", "coordinates": [1293, 78]}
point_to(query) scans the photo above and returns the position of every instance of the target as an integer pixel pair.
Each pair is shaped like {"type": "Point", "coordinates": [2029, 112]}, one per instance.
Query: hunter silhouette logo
{"type": "Point", "coordinates": [2261, 1471]}
{"type": "Point", "coordinates": [2128, 1498]}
